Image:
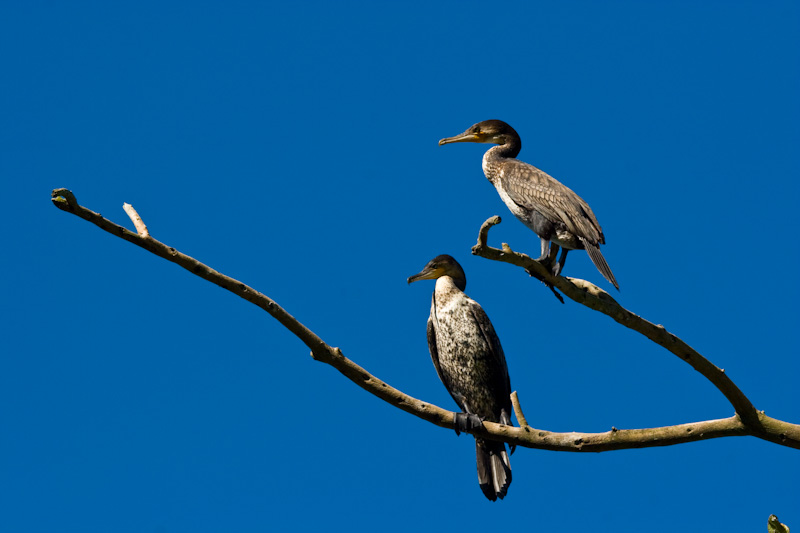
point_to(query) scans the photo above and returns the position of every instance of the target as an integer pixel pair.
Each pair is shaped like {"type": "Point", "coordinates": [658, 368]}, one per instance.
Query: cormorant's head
{"type": "Point", "coordinates": [488, 131]}
{"type": "Point", "coordinates": [442, 265]}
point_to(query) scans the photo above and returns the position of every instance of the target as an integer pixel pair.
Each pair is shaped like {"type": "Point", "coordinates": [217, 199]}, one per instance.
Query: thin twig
{"type": "Point", "coordinates": [518, 410]}
{"type": "Point", "coordinates": [138, 223]}
{"type": "Point", "coordinates": [773, 430]}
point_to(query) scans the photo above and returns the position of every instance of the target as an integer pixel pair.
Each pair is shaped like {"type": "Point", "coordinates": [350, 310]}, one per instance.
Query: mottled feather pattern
{"type": "Point", "coordinates": [496, 350]}
{"type": "Point", "coordinates": [531, 188]}
{"type": "Point", "coordinates": [472, 367]}
{"type": "Point", "coordinates": [470, 362]}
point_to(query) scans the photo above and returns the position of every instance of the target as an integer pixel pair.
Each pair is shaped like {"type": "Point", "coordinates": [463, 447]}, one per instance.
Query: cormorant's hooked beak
{"type": "Point", "coordinates": [466, 137]}
{"type": "Point", "coordinates": [427, 273]}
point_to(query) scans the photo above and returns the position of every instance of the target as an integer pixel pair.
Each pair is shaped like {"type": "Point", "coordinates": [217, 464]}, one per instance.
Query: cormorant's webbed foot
{"type": "Point", "coordinates": [466, 422]}
{"type": "Point", "coordinates": [546, 283]}
{"type": "Point", "coordinates": [548, 261]}
{"type": "Point", "coordinates": [545, 262]}
{"type": "Point", "coordinates": [549, 257]}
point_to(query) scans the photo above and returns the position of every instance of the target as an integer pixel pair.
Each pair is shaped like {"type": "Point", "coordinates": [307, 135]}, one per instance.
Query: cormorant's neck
{"type": "Point", "coordinates": [493, 159]}
{"type": "Point", "coordinates": [510, 148]}
{"type": "Point", "coordinates": [448, 283]}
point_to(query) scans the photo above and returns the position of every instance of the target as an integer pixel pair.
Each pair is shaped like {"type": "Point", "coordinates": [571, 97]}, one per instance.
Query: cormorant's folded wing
{"type": "Point", "coordinates": [532, 188]}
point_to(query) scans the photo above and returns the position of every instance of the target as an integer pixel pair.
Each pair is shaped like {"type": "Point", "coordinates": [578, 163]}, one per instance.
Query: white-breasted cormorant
{"type": "Point", "coordinates": [552, 210]}
{"type": "Point", "coordinates": [470, 362]}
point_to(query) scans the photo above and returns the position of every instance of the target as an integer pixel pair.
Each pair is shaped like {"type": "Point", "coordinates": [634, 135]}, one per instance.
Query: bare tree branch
{"type": "Point", "coordinates": [746, 422]}
{"type": "Point", "coordinates": [595, 298]}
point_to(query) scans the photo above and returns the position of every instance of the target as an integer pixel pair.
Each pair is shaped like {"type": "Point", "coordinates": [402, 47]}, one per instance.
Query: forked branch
{"type": "Point", "coordinates": [747, 422]}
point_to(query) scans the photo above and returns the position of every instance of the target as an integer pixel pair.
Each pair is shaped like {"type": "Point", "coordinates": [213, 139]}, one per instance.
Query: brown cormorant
{"type": "Point", "coordinates": [552, 210]}
{"type": "Point", "coordinates": [470, 362]}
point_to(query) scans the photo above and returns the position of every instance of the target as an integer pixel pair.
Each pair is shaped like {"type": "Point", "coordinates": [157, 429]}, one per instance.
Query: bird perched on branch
{"type": "Point", "coordinates": [552, 210]}
{"type": "Point", "coordinates": [470, 362]}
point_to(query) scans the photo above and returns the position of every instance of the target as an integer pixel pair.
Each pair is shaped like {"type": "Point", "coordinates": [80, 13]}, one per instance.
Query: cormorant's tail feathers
{"type": "Point", "coordinates": [494, 468]}
{"type": "Point", "coordinates": [600, 262]}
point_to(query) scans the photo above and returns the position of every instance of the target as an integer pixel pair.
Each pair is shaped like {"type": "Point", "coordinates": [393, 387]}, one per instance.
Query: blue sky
{"type": "Point", "coordinates": [294, 147]}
